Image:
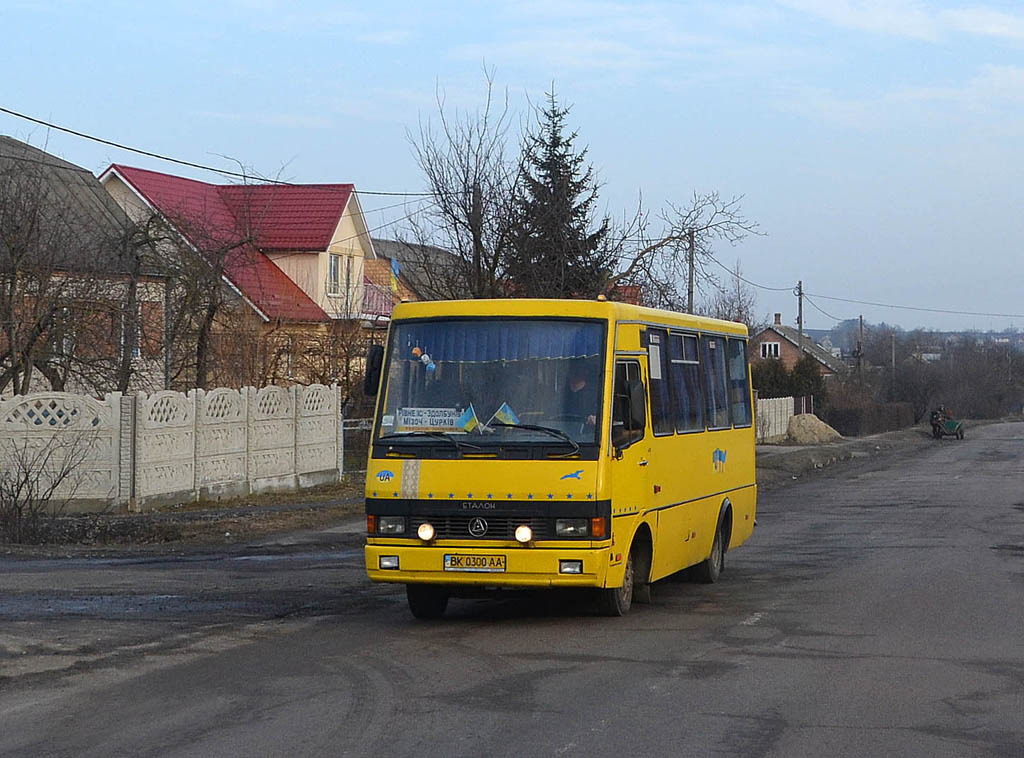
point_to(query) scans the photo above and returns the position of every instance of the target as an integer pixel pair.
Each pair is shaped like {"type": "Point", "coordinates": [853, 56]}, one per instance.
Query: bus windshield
{"type": "Point", "coordinates": [488, 383]}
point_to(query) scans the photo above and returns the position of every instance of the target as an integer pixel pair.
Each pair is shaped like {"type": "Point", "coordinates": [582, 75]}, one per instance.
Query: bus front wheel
{"type": "Point", "coordinates": [426, 601]}
{"type": "Point", "coordinates": [708, 570]}
{"type": "Point", "coordinates": [616, 601]}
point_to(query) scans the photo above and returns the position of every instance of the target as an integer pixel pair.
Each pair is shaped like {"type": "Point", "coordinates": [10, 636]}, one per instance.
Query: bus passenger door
{"type": "Point", "coordinates": [630, 451]}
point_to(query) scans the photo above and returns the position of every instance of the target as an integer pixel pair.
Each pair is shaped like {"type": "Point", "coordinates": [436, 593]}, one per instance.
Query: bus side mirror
{"type": "Point", "coordinates": [374, 361]}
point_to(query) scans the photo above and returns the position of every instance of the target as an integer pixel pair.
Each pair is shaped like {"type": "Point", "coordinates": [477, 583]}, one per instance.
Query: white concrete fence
{"type": "Point", "coordinates": [139, 451]}
{"type": "Point", "coordinates": [772, 416]}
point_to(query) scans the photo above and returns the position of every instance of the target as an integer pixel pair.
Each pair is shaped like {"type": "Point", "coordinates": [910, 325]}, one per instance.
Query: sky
{"type": "Point", "coordinates": [877, 143]}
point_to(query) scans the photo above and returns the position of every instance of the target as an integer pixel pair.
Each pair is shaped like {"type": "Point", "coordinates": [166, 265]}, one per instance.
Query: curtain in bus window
{"type": "Point", "coordinates": [657, 363]}
{"type": "Point", "coordinates": [715, 382]}
{"type": "Point", "coordinates": [685, 376]}
{"type": "Point", "coordinates": [739, 388]}
{"type": "Point", "coordinates": [479, 340]}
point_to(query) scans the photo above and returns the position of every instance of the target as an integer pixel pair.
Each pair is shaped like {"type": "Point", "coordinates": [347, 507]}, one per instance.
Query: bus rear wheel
{"type": "Point", "coordinates": [708, 570]}
{"type": "Point", "coordinates": [616, 601]}
{"type": "Point", "coordinates": [426, 601]}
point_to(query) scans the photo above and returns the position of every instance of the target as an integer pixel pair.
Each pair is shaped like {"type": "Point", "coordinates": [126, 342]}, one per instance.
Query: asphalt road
{"type": "Point", "coordinates": [877, 611]}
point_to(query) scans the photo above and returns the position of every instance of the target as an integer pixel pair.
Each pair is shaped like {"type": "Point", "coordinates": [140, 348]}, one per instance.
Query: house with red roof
{"type": "Point", "coordinates": [305, 244]}
{"type": "Point", "coordinates": [294, 254]}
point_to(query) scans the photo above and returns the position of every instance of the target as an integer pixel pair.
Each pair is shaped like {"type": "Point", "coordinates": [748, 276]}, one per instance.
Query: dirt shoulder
{"type": "Point", "coordinates": [209, 525]}
{"type": "Point", "coordinates": [197, 525]}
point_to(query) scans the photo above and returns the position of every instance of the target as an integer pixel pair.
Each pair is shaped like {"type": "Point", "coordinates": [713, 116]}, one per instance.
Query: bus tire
{"type": "Point", "coordinates": [426, 601]}
{"type": "Point", "coordinates": [642, 571]}
{"type": "Point", "coordinates": [616, 601]}
{"type": "Point", "coordinates": [708, 570]}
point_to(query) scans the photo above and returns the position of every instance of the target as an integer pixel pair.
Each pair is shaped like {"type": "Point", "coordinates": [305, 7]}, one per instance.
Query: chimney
{"type": "Point", "coordinates": [778, 319]}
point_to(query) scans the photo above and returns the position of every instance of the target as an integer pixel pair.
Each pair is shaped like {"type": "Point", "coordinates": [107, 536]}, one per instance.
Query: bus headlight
{"type": "Point", "coordinates": [571, 527]}
{"type": "Point", "coordinates": [524, 533]}
{"type": "Point", "coordinates": [425, 531]}
{"type": "Point", "coordinates": [391, 525]}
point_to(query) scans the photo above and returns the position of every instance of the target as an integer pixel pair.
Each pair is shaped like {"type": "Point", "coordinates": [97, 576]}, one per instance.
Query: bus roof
{"type": "Point", "coordinates": [602, 309]}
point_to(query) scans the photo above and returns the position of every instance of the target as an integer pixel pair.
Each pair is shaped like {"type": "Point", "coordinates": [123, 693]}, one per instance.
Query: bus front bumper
{"type": "Point", "coordinates": [490, 567]}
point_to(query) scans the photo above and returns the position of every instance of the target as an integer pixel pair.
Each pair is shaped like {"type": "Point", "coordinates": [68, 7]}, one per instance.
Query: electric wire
{"type": "Point", "coordinates": [821, 310]}
{"type": "Point", "coordinates": [180, 162]}
{"type": "Point", "coordinates": [747, 281]}
{"type": "Point", "coordinates": [916, 308]}
{"type": "Point", "coordinates": [426, 195]}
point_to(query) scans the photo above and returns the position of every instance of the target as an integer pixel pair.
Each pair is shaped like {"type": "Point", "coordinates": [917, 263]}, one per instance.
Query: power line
{"type": "Point", "coordinates": [915, 308]}
{"type": "Point", "coordinates": [820, 309]}
{"type": "Point", "coordinates": [406, 217]}
{"type": "Point", "coordinates": [180, 162]}
{"type": "Point", "coordinates": [747, 281]}
{"type": "Point", "coordinates": [947, 311]}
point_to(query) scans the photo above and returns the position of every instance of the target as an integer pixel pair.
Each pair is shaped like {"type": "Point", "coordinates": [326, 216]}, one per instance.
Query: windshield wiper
{"type": "Point", "coordinates": [549, 430]}
{"type": "Point", "coordinates": [459, 444]}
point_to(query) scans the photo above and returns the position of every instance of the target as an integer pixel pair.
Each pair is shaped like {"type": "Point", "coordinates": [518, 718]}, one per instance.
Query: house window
{"type": "Point", "coordinates": [334, 275]}
{"type": "Point", "coordinates": [769, 349]}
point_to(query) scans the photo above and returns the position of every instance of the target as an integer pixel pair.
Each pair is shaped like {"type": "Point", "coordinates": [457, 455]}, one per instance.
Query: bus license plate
{"type": "Point", "coordinates": [482, 563]}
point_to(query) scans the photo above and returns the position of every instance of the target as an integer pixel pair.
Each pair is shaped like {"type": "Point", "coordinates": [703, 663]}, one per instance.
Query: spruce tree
{"type": "Point", "coordinates": [555, 251]}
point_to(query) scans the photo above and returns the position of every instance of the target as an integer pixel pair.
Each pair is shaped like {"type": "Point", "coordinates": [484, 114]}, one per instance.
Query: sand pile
{"type": "Point", "coordinates": [808, 429]}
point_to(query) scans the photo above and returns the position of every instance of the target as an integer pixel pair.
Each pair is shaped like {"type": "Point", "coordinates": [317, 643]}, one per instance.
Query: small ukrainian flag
{"type": "Point", "coordinates": [394, 275]}
{"type": "Point", "coordinates": [468, 420]}
{"type": "Point", "coordinates": [505, 415]}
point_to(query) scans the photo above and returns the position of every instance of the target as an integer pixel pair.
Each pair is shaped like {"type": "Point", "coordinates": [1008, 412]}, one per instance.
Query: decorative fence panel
{"type": "Point", "coordinates": [773, 415]}
{"type": "Point", "coordinates": [272, 438]}
{"type": "Point", "coordinates": [316, 434]}
{"type": "Point", "coordinates": [67, 440]}
{"type": "Point", "coordinates": [143, 450]}
{"type": "Point", "coordinates": [165, 445]}
{"type": "Point", "coordinates": [222, 441]}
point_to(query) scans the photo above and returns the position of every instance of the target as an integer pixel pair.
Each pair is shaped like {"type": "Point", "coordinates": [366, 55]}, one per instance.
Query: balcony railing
{"type": "Point", "coordinates": [378, 300]}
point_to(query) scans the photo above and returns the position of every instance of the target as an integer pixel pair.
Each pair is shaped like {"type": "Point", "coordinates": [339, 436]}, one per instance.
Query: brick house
{"type": "Point", "coordinates": [781, 342]}
{"type": "Point", "coordinates": [75, 281]}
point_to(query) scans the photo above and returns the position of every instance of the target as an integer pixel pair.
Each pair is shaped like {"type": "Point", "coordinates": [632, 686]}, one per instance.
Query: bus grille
{"type": "Point", "coordinates": [498, 527]}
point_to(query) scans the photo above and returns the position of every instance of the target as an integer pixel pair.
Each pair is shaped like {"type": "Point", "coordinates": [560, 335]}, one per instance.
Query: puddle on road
{"type": "Point", "coordinates": [10, 566]}
{"type": "Point", "coordinates": [123, 606]}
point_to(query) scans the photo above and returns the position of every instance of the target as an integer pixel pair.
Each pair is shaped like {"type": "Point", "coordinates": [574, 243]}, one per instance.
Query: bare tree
{"type": "Point", "coordinates": [673, 262]}
{"type": "Point", "coordinates": [56, 270]}
{"type": "Point", "coordinates": [473, 213]}
{"type": "Point", "coordinates": [734, 300]}
{"type": "Point", "coordinates": [199, 253]}
{"type": "Point", "coordinates": [337, 356]}
{"type": "Point", "coordinates": [472, 184]}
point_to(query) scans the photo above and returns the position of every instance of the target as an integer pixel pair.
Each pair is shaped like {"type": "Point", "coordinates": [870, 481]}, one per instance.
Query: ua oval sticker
{"type": "Point", "coordinates": [385, 476]}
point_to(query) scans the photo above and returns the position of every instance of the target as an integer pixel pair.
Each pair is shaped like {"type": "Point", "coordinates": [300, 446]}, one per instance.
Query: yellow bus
{"type": "Point", "coordinates": [556, 443]}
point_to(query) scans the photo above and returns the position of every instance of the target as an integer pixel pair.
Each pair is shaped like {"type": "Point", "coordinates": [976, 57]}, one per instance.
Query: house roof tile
{"type": "Point", "coordinates": [276, 218]}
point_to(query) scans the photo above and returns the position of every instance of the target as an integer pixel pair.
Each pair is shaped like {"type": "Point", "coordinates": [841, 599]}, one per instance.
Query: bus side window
{"type": "Point", "coordinates": [716, 383]}
{"type": "Point", "coordinates": [685, 375]}
{"type": "Point", "coordinates": [662, 421]}
{"type": "Point", "coordinates": [629, 405]}
{"type": "Point", "coordinates": [739, 386]}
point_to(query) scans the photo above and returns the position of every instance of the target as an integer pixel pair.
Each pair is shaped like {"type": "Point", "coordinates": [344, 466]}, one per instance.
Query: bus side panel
{"type": "Point", "coordinates": [717, 462]}
{"type": "Point", "coordinates": [744, 510]}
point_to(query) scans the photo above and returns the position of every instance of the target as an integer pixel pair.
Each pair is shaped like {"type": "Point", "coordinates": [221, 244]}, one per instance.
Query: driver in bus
{"type": "Point", "coordinates": [581, 396]}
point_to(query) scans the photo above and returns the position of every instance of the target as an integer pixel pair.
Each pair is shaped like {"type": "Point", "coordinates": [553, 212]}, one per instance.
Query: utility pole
{"type": "Point", "coordinates": [692, 255]}
{"type": "Point", "coordinates": [892, 347]}
{"type": "Point", "coordinates": [800, 314]}
{"type": "Point", "coordinates": [860, 352]}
